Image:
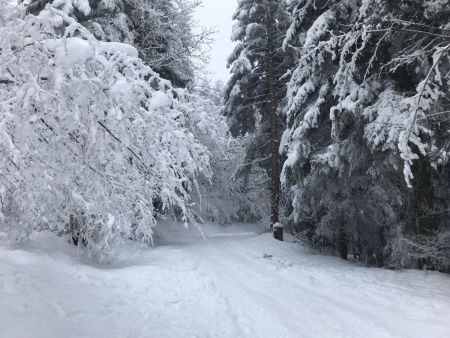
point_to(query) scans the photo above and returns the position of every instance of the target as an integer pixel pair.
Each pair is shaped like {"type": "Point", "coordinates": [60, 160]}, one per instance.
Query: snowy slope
{"type": "Point", "coordinates": [232, 285]}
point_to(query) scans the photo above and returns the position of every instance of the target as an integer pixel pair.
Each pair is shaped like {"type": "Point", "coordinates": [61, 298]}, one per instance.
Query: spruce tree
{"type": "Point", "coordinates": [256, 87]}
{"type": "Point", "coordinates": [364, 112]}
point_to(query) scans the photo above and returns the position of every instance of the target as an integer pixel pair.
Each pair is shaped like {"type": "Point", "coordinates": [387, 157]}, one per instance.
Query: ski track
{"type": "Point", "coordinates": [222, 287]}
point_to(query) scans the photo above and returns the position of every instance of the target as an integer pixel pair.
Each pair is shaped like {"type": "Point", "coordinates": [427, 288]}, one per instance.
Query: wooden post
{"type": "Point", "coordinates": [278, 231]}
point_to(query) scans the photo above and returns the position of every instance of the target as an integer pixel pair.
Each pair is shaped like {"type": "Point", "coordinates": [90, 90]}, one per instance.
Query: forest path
{"type": "Point", "coordinates": [234, 284]}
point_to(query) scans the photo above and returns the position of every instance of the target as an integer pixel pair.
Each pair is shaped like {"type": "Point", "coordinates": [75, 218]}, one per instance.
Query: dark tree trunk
{"type": "Point", "coordinates": [274, 142]}
{"type": "Point", "coordinates": [423, 197]}
{"type": "Point", "coordinates": [425, 224]}
{"type": "Point", "coordinates": [342, 241]}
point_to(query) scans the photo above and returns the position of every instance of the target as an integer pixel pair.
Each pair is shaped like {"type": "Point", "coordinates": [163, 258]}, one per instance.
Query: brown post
{"type": "Point", "coordinates": [278, 231]}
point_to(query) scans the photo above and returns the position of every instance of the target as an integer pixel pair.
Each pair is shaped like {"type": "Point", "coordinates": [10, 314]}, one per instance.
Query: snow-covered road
{"type": "Point", "coordinates": [227, 286]}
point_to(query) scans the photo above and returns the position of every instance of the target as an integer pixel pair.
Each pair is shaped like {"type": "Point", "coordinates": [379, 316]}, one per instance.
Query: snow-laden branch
{"type": "Point", "coordinates": [87, 129]}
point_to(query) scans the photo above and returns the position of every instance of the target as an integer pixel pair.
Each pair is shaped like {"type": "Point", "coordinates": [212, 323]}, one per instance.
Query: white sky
{"type": "Point", "coordinates": [218, 14]}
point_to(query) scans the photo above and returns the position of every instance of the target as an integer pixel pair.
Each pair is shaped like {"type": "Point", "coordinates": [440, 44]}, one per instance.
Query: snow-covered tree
{"type": "Point", "coordinates": [365, 110]}
{"type": "Point", "coordinates": [225, 197]}
{"type": "Point", "coordinates": [165, 35]}
{"type": "Point", "coordinates": [161, 30]}
{"type": "Point", "coordinates": [91, 139]}
{"type": "Point", "coordinates": [256, 87]}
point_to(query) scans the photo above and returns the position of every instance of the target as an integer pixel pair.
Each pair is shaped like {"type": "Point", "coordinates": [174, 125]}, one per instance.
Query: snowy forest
{"type": "Point", "coordinates": [332, 133]}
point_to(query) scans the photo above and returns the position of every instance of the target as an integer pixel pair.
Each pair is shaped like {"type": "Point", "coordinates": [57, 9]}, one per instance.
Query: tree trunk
{"type": "Point", "coordinates": [423, 204]}
{"type": "Point", "coordinates": [342, 241]}
{"type": "Point", "coordinates": [423, 197]}
{"type": "Point", "coordinates": [274, 142]}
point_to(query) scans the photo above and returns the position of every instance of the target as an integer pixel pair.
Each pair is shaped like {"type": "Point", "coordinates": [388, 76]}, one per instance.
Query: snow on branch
{"type": "Point", "coordinates": [88, 130]}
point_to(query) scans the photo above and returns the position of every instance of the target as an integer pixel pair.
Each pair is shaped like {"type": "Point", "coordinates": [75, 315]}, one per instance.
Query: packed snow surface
{"type": "Point", "coordinates": [236, 283]}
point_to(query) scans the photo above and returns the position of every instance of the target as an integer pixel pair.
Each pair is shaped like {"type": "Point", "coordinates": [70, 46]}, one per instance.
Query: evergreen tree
{"type": "Point", "coordinates": [363, 102]}
{"type": "Point", "coordinates": [256, 87]}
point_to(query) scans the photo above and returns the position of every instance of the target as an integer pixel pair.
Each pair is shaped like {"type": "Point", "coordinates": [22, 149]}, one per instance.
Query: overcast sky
{"type": "Point", "coordinates": [218, 14]}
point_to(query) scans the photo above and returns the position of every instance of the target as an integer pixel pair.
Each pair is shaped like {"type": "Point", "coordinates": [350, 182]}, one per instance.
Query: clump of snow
{"type": "Point", "coordinates": [108, 4]}
{"type": "Point", "coordinates": [318, 28]}
{"type": "Point", "coordinates": [71, 51]}
{"type": "Point", "coordinates": [68, 6]}
{"type": "Point", "coordinates": [159, 101]}
{"type": "Point", "coordinates": [241, 65]}
{"type": "Point", "coordinates": [74, 51]}
{"type": "Point", "coordinates": [114, 47]}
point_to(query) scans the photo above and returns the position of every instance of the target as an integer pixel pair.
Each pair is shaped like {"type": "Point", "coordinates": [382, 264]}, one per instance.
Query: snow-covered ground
{"type": "Point", "coordinates": [235, 284]}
